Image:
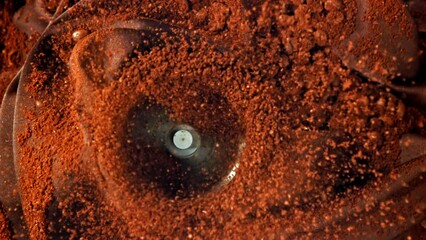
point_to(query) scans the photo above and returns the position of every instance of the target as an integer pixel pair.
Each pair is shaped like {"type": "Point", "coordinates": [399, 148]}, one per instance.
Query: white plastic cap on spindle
{"type": "Point", "coordinates": [183, 139]}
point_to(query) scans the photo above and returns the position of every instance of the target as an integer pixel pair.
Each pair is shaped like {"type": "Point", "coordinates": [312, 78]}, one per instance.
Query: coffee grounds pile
{"type": "Point", "coordinates": [14, 45]}
{"type": "Point", "coordinates": [318, 133]}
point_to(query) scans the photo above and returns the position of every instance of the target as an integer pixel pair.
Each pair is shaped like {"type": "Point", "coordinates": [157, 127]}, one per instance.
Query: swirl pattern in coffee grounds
{"type": "Point", "coordinates": [318, 136]}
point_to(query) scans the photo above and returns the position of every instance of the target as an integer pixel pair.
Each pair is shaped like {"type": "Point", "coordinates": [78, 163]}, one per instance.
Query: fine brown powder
{"type": "Point", "coordinates": [295, 102]}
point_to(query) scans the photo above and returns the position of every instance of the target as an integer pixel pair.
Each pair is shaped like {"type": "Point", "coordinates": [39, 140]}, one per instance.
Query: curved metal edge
{"type": "Point", "coordinates": [9, 188]}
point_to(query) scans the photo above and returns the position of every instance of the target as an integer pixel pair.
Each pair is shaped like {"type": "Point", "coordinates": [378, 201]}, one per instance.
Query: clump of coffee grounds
{"type": "Point", "coordinates": [10, 61]}
{"type": "Point", "coordinates": [313, 130]}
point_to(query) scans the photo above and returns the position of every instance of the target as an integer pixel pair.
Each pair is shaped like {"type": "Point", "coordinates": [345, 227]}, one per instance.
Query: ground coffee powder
{"type": "Point", "coordinates": [297, 95]}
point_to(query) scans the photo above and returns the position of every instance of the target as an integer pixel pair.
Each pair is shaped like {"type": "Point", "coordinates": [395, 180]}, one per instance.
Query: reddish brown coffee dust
{"type": "Point", "coordinates": [316, 132]}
